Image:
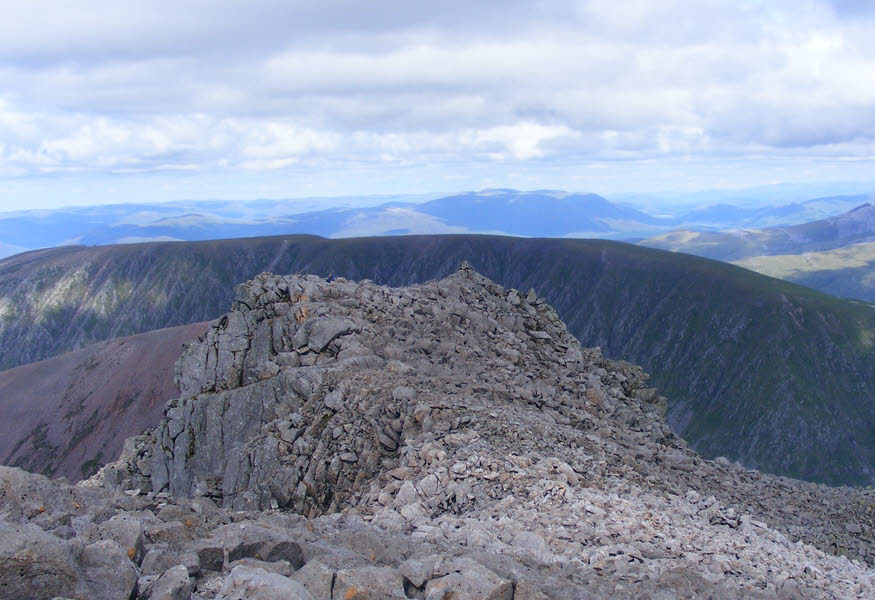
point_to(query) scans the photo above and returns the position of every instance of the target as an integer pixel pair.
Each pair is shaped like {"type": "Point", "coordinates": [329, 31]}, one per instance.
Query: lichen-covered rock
{"type": "Point", "coordinates": [465, 579]}
{"type": "Point", "coordinates": [173, 584]}
{"type": "Point", "coordinates": [317, 578]}
{"type": "Point", "coordinates": [108, 570]}
{"type": "Point", "coordinates": [36, 564]}
{"type": "Point", "coordinates": [126, 531]}
{"type": "Point", "coordinates": [368, 583]}
{"type": "Point", "coordinates": [247, 583]}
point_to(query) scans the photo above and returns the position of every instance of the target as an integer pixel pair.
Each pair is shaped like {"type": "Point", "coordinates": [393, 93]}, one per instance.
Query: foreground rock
{"type": "Point", "coordinates": [446, 440]}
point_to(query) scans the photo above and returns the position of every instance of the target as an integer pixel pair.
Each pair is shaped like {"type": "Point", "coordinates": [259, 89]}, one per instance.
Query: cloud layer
{"type": "Point", "coordinates": [106, 89]}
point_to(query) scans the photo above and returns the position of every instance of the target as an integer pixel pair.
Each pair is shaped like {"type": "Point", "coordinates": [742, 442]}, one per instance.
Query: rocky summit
{"type": "Point", "coordinates": [340, 440]}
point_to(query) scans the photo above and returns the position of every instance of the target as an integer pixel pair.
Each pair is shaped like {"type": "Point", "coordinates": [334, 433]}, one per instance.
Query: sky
{"type": "Point", "coordinates": [153, 100]}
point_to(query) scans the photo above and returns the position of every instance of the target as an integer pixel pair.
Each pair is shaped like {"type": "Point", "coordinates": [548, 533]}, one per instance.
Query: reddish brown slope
{"type": "Point", "coordinates": [70, 414]}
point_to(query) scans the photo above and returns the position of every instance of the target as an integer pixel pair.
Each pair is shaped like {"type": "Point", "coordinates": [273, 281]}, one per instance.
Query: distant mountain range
{"type": "Point", "coordinates": [776, 375]}
{"type": "Point", "coordinates": [834, 255]}
{"type": "Point", "coordinates": [853, 227]}
{"type": "Point", "coordinates": [542, 213]}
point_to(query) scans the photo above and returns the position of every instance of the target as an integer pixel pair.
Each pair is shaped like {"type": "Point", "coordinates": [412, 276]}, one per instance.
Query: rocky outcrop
{"type": "Point", "coordinates": [447, 440]}
{"type": "Point", "coordinates": [281, 406]}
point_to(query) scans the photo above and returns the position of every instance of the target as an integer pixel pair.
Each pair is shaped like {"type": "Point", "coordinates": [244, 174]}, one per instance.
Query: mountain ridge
{"type": "Point", "coordinates": [831, 255]}
{"type": "Point", "coordinates": [738, 354]}
{"type": "Point", "coordinates": [537, 213]}
{"type": "Point", "coordinates": [855, 226]}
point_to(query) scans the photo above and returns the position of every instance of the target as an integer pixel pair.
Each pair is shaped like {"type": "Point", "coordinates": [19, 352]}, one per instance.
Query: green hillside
{"type": "Point", "coordinates": [778, 376]}
{"type": "Point", "coordinates": [847, 272]}
{"type": "Point", "coordinates": [854, 227]}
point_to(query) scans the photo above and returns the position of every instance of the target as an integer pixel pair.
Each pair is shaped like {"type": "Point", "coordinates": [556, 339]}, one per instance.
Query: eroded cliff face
{"type": "Point", "coordinates": [451, 437]}
{"type": "Point", "coordinates": [308, 385]}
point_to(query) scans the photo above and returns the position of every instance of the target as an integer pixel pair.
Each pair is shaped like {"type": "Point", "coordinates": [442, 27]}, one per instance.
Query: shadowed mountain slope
{"type": "Point", "coordinates": [70, 414]}
{"type": "Point", "coordinates": [756, 369]}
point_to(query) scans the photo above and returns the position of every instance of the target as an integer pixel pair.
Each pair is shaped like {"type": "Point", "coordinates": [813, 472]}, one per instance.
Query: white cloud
{"type": "Point", "coordinates": [143, 86]}
{"type": "Point", "coordinates": [522, 141]}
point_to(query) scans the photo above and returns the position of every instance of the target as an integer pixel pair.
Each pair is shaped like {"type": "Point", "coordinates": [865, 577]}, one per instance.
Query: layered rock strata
{"type": "Point", "coordinates": [446, 440]}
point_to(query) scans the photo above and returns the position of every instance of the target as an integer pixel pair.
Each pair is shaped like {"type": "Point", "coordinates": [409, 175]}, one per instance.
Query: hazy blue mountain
{"type": "Point", "coordinates": [721, 216]}
{"type": "Point", "coordinates": [537, 214]}
{"type": "Point", "coordinates": [678, 203]}
{"type": "Point", "coordinates": [542, 213]}
{"type": "Point", "coordinates": [183, 220]}
{"type": "Point", "coordinates": [9, 250]}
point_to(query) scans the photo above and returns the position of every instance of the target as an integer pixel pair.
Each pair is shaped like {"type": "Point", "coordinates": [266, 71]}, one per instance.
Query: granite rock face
{"type": "Point", "coordinates": [451, 439]}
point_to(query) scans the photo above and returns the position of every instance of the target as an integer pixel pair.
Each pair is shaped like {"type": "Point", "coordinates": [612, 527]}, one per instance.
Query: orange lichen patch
{"type": "Point", "coordinates": [356, 593]}
{"type": "Point", "coordinates": [595, 397]}
{"type": "Point", "coordinates": [302, 313]}
{"type": "Point", "coordinates": [132, 552]}
{"type": "Point", "coordinates": [25, 556]}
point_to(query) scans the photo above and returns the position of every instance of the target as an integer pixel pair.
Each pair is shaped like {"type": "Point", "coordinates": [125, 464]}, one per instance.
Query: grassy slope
{"type": "Point", "coordinates": [847, 272]}
{"type": "Point", "coordinates": [758, 369]}
{"type": "Point", "coordinates": [855, 226]}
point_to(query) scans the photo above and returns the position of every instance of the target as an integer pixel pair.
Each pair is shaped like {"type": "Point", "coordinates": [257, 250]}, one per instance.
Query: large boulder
{"type": "Point", "coordinates": [109, 573]}
{"type": "Point", "coordinates": [35, 564]}
{"type": "Point", "coordinates": [465, 579]}
{"type": "Point", "coordinates": [248, 583]}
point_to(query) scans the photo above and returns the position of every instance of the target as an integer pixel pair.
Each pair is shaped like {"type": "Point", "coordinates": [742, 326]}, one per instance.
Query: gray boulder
{"type": "Point", "coordinates": [125, 530]}
{"type": "Point", "coordinates": [35, 564]}
{"type": "Point", "coordinates": [173, 584]}
{"type": "Point", "coordinates": [465, 579]}
{"type": "Point", "coordinates": [248, 583]}
{"type": "Point", "coordinates": [316, 577]}
{"type": "Point", "coordinates": [108, 572]}
{"type": "Point", "coordinates": [368, 583]}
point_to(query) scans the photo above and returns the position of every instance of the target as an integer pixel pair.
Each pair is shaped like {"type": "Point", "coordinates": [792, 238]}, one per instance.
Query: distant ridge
{"type": "Point", "coordinates": [500, 211]}
{"type": "Point", "coordinates": [855, 226]}
{"type": "Point", "coordinates": [834, 255]}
